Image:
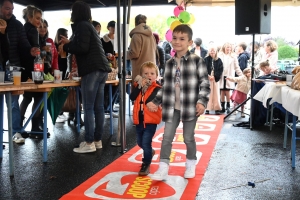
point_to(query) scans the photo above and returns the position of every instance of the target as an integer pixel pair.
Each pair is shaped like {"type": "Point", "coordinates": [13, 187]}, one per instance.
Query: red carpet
{"type": "Point", "coordinates": [120, 179]}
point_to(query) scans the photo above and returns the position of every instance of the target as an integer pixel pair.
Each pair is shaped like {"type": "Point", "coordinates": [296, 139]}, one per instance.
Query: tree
{"type": "Point", "coordinates": [286, 51]}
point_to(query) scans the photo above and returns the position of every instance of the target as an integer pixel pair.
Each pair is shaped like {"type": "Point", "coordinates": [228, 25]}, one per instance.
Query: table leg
{"type": "Point", "coordinates": [77, 110]}
{"type": "Point", "coordinates": [293, 149]}
{"type": "Point", "coordinates": [286, 123]}
{"type": "Point", "coordinates": [11, 149]}
{"type": "Point", "coordinates": [1, 123]}
{"type": "Point", "coordinates": [110, 110]}
{"type": "Point", "coordinates": [267, 117]}
{"type": "Point", "coordinates": [271, 117]}
{"type": "Point", "coordinates": [45, 96]}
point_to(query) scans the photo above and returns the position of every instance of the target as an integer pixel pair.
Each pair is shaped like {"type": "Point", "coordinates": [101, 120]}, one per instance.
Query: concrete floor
{"type": "Point", "coordinates": [240, 156]}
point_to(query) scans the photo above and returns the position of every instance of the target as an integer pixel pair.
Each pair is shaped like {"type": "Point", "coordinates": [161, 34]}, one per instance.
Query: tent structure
{"type": "Point", "coordinates": [50, 5]}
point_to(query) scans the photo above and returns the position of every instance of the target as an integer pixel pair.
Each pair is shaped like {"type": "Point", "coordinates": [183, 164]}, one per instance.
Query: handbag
{"type": "Point", "coordinates": [70, 103]}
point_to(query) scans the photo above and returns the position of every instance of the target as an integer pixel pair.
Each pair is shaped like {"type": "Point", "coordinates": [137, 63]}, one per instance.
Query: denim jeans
{"type": "Point", "coordinates": [15, 112]}
{"type": "Point", "coordinates": [188, 136]}
{"type": "Point", "coordinates": [144, 140]}
{"type": "Point", "coordinates": [92, 88]}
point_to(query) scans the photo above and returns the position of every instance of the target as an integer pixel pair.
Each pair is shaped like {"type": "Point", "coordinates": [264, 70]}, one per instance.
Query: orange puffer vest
{"type": "Point", "coordinates": [149, 117]}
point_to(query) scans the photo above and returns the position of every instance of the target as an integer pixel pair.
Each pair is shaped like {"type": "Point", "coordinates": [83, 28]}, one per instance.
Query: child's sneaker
{"type": "Point", "coordinates": [243, 115]}
{"type": "Point", "coordinates": [85, 148]}
{"type": "Point", "coordinates": [161, 173]}
{"type": "Point", "coordinates": [98, 144]}
{"type": "Point", "coordinates": [190, 167]}
{"type": "Point", "coordinates": [145, 169]}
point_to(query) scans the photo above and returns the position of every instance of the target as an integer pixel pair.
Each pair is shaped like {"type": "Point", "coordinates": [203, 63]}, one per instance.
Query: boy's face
{"type": "Point", "coordinates": [149, 73]}
{"type": "Point", "coordinates": [181, 42]}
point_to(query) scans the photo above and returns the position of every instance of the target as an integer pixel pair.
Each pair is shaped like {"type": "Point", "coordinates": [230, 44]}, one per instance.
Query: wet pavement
{"type": "Point", "coordinates": [240, 156]}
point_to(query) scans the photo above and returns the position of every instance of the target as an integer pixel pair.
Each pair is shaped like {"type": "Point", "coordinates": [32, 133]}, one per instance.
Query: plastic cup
{"type": "Point", "coordinates": [33, 75]}
{"type": "Point", "coordinates": [57, 76]}
{"type": "Point", "coordinates": [17, 78]}
{"type": "Point", "coordinates": [2, 74]}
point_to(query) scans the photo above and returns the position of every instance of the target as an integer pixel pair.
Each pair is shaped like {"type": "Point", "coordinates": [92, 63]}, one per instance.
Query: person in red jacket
{"type": "Point", "coordinates": [144, 90]}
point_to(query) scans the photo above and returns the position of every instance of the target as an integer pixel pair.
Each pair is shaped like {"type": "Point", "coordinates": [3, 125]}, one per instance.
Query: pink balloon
{"type": "Point", "coordinates": [178, 10]}
{"type": "Point", "coordinates": [173, 52]}
{"type": "Point", "coordinates": [169, 35]}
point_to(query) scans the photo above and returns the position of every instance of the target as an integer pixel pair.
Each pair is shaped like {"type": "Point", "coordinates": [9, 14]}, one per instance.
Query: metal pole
{"type": "Point", "coordinates": [252, 83]}
{"type": "Point", "coordinates": [123, 82]}
{"type": "Point", "coordinates": [117, 143]}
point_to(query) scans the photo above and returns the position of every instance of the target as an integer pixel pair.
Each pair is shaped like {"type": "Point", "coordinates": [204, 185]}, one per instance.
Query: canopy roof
{"type": "Point", "coordinates": [47, 5]}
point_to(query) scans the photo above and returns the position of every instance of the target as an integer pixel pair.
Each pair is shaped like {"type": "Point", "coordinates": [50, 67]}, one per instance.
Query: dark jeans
{"type": "Point", "coordinates": [92, 89]}
{"type": "Point", "coordinates": [144, 140]}
{"type": "Point", "coordinates": [16, 117]}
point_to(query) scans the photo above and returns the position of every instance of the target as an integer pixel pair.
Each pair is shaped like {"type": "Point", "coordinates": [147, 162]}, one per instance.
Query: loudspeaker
{"type": "Point", "coordinates": [252, 17]}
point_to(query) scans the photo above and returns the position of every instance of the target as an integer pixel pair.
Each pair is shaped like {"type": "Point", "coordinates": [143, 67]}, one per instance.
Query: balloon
{"type": "Point", "coordinates": [192, 19]}
{"type": "Point", "coordinates": [173, 52]}
{"type": "Point", "coordinates": [170, 20]}
{"type": "Point", "coordinates": [178, 10]}
{"type": "Point", "coordinates": [184, 17]}
{"type": "Point", "coordinates": [174, 24]}
{"type": "Point", "coordinates": [169, 35]}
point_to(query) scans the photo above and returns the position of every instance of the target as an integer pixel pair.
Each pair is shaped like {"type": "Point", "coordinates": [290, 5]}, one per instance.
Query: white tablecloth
{"type": "Point", "coordinates": [291, 100]}
{"type": "Point", "coordinates": [270, 90]}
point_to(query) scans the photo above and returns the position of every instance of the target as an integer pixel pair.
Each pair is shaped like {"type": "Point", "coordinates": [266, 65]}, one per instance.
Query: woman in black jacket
{"type": "Point", "coordinates": [93, 68]}
{"type": "Point", "coordinates": [214, 69]}
{"type": "Point", "coordinates": [33, 18]}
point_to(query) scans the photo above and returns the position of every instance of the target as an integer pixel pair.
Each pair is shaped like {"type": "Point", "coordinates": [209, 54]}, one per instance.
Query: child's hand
{"type": "Point", "coordinates": [211, 78]}
{"type": "Point", "coordinates": [152, 107]}
{"type": "Point", "coordinates": [199, 109]}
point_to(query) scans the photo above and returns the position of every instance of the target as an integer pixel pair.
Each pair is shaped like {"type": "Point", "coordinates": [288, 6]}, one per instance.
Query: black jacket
{"type": "Point", "coordinates": [161, 61]}
{"type": "Point", "coordinates": [87, 47]}
{"type": "Point", "coordinates": [243, 60]}
{"type": "Point", "coordinates": [203, 52]}
{"type": "Point", "coordinates": [16, 45]}
{"type": "Point", "coordinates": [28, 61]}
{"type": "Point", "coordinates": [218, 67]}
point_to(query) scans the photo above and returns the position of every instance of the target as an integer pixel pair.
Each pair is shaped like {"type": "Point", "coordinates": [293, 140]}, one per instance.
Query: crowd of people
{"type": "Point", "coordinates": [194, 79]}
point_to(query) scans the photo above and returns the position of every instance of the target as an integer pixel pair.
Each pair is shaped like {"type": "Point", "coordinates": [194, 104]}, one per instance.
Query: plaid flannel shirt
{"type": "Point", "coordinates": [194, 87]}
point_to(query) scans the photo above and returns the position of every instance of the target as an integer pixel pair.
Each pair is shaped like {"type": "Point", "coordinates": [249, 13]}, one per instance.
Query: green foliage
{"type": "Point", "coordinates": [286, 51]}
{"type": "Point", "coordinates": [158, 25]}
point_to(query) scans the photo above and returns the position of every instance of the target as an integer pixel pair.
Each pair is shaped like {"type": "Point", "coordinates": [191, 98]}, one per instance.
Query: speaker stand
{"type": "Point", "coordinates": [249, 123]}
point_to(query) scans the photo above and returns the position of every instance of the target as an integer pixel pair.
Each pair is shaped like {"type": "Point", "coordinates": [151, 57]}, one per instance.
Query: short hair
{"type": "Point", "coordinates": [140, 19]}
{"type": "Point", "coordinates": [198, 42]}
{"type": "Point", "coordinates": [184, 28]}
{"type": "Point", "coordinates": [150, 65]}
{"type": "Point", "coordinates": [30, 11]}
{"type": "Point", "coordinates": [95, 23]}
{"type": "Point", "coordinates": [81, 11]}
{"type": "Point", "coordinates": [60, 31]}
{"type": "Point", "coordinates": [264, 64]}
{"type": "Point", "coordinates": [2, 2]}
{"type": "Point", "coordinates": [272, 44]}
{"type": "Point", "coordinates": [111, 24]}
{"type": "Point", "coordinates": [243, 45]}
{"type": "Point", "coordinates": [246, 70]}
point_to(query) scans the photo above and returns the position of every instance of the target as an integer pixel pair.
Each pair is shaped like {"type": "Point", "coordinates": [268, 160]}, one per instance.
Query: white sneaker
{"type": "Point", "coordinates": [243, 115]}
{"type": "Point", "coordinates": [85, 148]}
{"type": "Point", "coordinates": [17, 138]}
{"type": "Point", "coordinates": [61, 119]}
{"type": "Point", "coordinates": [190, 167]}
{"type": "Point", "coordinates": [161, 173]}
{"type": "Point", "coordinates": [98, 144]}
{"type": "Point", "coordinates": [116, 105]}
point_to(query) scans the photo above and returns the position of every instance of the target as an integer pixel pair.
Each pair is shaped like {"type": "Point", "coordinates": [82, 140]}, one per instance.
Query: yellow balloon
{"type": "Point", "coordinates": [174, 24]}
{"type": "Point", "coordinates": [192, 19]}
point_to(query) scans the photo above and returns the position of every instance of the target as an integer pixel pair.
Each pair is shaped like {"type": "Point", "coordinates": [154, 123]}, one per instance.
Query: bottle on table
{"type": "Point", "coordinates": [38, 69]}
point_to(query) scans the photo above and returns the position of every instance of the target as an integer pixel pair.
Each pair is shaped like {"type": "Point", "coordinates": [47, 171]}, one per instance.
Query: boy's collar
{"type": "Point", "coordinates": [185, 56]}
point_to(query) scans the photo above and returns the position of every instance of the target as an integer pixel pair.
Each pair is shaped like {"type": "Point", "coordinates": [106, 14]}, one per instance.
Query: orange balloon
{"type": "Point", "coordinates": [174, 24]}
